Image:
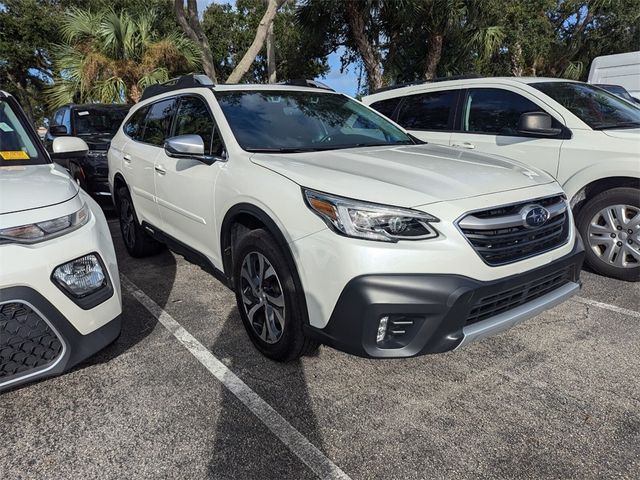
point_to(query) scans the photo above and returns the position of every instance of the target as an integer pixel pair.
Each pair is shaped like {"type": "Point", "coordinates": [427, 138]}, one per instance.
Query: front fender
{"type": "Point", "coordinates": [615, 168]}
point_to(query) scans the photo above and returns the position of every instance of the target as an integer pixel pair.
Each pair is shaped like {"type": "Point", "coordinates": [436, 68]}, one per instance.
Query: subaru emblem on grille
{"type": "Point", "coordinates": [534, 216]}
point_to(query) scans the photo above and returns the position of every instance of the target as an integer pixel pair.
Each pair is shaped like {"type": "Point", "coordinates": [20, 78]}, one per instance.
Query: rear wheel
{"type": "Point", "coordinates": [610, 227]}
{"type": "Point", "coordinates": [137, 241]}
{"type": "Point", "coordinates": [272, 308]}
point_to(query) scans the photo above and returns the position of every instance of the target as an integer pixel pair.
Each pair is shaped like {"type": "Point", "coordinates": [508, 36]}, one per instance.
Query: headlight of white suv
{"type": "Point", "coordinates": [370, 221]}
{"type": "Point", "coordinates": [41, 231]}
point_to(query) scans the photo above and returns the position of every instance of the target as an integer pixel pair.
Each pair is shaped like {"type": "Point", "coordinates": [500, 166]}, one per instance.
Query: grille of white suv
{"type": "Point", "coordinates": [501, 235]}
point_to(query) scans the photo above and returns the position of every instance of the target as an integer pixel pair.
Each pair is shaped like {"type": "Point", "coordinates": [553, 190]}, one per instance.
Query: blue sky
{"type": "Point", "coordinates": [346, 82]}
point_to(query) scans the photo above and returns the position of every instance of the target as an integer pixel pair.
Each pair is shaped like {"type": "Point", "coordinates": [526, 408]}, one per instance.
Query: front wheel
{"type": "Point", "coordinates": [610, 227]}
{"type": "Point", "coordinates": [272, 308]}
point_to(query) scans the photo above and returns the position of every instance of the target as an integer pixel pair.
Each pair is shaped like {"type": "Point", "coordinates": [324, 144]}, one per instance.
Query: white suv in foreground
{"type": "Point", "coordinates": [333, 225]}
{"type": "Point", "coordinates": [585, 137]}
{"type": "Point", "coordinates": [59, 287]}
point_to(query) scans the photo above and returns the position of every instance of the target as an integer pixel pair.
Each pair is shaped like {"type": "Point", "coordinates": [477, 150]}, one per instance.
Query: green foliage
{"type": "Point", "coordinates": [112, 56]}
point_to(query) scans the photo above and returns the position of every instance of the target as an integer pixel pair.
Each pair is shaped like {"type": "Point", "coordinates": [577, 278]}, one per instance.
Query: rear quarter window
{"type": "Point", "coordinates": [134, 127]}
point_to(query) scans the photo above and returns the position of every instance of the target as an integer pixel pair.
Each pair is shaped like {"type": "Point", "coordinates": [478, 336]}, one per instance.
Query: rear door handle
{"type": "Point", "coordinates": [467, 145]}
{"type": "Point", "coordinates": [160, 169]}
{"type": "Point", "coordinates": [126, 158]}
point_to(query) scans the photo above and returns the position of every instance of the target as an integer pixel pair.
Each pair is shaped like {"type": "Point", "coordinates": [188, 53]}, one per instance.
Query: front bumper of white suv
{"type": "Point", "coordinates": [45, 329]}
{"type": "Point", "coordinates": [410, 298]}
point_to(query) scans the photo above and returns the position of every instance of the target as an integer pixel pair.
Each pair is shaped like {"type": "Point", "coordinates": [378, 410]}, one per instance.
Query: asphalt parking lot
{"type": "Point", "coordinates": [556, 397]}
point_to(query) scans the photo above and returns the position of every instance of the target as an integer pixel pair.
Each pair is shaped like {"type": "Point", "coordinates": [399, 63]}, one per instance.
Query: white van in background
{"type": "Point", "coordinates": [620, 69]}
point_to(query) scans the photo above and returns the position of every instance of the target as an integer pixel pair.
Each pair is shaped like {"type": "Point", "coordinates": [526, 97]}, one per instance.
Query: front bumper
{"type": "Point", "coordinates": [38, 341]}
{"type": "Point", "coordinates": [437, 313]}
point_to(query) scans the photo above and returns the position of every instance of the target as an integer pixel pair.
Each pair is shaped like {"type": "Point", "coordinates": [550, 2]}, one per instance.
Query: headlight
{"type": "Point", "coordinates": [41, 231]}
{"type": "Point", "coordinates": [369, 220]}
{"type": "Point", "coordinates": [81, 277]}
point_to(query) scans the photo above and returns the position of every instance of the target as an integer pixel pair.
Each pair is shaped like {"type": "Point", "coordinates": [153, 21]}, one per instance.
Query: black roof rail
{"type": "Point", "coordinates": [185, 81]}
{"type": "Point", "coordinates": [433, 80]}
{"type": "Point", "coordinates": [303, 82]}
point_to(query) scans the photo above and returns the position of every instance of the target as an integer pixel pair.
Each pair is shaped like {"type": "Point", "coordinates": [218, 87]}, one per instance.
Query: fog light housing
{"type": "Point", "coordinates": [382, 329]}
{"type": "Point", "coordinates": [81, 277]}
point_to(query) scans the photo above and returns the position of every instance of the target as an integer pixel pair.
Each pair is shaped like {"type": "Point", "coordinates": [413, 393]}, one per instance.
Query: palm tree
{"type": "Point", "coordinates": [111, 57]}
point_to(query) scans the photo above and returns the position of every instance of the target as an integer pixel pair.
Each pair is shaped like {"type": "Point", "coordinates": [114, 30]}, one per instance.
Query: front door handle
{"type": "Point", "coordinates": [160, 169]}
{"type": "Point", "coordinates": [126, 158]}
{"type": "Point", "coordinates": [467, 145]}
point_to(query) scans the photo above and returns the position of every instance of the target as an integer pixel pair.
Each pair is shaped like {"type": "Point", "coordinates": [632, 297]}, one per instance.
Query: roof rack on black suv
{"type": "Point", "coordinates": [433, 80]}
{"type": "Point", "coordinates": [185, 81]}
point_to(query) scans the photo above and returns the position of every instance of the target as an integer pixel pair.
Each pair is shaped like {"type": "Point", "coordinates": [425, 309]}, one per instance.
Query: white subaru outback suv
{"type": "Point", "coordinates": [585, 137]}
{"type": "Point", "coordinates": [333, 225]}
{"type": "Point", "coordinates": [59, 287]}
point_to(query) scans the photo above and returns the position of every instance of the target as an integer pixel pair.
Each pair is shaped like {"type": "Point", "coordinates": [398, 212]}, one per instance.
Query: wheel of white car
{"type": "Point", "coordinates": [271, 307]}
{"type": "Point", "coordinates": [136, 240]}
{"type": "Point", "coordinates": [610, 227]}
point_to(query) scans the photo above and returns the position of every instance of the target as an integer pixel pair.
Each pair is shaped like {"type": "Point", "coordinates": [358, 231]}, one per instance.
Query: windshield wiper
{"type": "Point", "coordinates": [618, 125]}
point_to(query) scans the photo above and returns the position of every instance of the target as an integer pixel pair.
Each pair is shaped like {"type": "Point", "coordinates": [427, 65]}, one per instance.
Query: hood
{"type": "Point", "coordinates": [34, 186]}
{"type": "Point", "coordinates": [97, 141]}
{"type": "Point", "coordinates": [626, 133]}
{"type": "Point", "coordinates": [405, 176]}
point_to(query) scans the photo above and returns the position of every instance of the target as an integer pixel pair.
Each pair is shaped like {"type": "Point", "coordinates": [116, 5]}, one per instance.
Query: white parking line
{"type": "Point", "coordinates": [606, 306]}
{"type": "Point", "coordinates": [292, 438]}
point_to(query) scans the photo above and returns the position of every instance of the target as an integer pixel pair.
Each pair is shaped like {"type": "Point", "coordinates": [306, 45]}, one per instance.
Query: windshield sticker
{"type": "Point", "coordinates": [5, 128]}
{"type": "Point", "coordinates": [82, 114]}
{"type": "Point", "coordinates": [14, 155]}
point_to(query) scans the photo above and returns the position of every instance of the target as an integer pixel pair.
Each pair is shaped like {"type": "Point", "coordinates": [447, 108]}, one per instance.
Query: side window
{"type": "Point", "coordinates": [159, 122]}
{"type": "Point", "coordinates": [387, 107]}
{"type": "Point", "coordinates": [193, 118]}
{"type": "Point", "coordinates": [496, 111]}
{"type": "Point", "coordinates": [57, 118]}
{"type": "Point", "coordinates": [66, 120]}
{"type": "Point", "coordinates": [135, 125]}
{"type": "Point", "coordinates": [428, 111]}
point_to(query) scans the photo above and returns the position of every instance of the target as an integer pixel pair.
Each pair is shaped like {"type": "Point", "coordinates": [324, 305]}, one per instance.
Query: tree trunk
{"type": "Point", "coordinates": [370, 56]}
{"type": "Point", "coordinates": [190, 24]}
{"type": "Point", "coordinates": [517, 62]}
{"type": "Point", "coordinates": [434, 54]}
{"type": "Point", "coordinates": [271, 55]}
{"type": "Point", "coordinates": [258, 42]}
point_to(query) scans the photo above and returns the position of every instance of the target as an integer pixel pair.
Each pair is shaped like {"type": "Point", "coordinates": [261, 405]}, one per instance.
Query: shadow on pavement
{"type": "Point", "coordinates": [244, 447]}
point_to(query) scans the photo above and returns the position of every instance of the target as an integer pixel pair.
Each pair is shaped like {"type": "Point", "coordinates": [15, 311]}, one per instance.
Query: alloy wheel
{"type": "Point", "coordinates": [614, 235]}
{"type": "Point", "coordinates": [262, 297]}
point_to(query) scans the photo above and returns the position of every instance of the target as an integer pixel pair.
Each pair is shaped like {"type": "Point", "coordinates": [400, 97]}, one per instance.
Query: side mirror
{"type": "Point", "coordinates": [58, 130]}
{"type": "Point", "coordinates": [537, 123]}
{"type": "Point", "coordinates": [187, 146]}
{"type": "Point", "coordinates": [67, 147]}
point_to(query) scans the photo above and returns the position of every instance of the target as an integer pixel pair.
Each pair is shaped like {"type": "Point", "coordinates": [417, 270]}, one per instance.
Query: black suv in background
{"type": "Point", "coordinates": [96, 124]}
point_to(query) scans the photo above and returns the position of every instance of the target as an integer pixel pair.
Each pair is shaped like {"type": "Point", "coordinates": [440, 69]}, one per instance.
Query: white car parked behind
{"type": "Point", "coordinates": [585, 137]}
{"type": "Point", "coordinates": [59, 288]}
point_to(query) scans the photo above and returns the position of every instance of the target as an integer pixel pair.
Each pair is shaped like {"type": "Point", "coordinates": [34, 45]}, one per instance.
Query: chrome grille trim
{"type": "Point", "coordinates": [499, 235]}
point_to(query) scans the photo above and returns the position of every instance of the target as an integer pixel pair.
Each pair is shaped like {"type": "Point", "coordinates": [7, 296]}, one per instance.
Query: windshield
{"type": "Point", "coordinates": [92, 120]}
{"type": "Point", "coordinates": [17, 145]}
{"type": "Point", "coordinates": [595, 107]}
{"type": "Point", "coordinates": [286, 121]}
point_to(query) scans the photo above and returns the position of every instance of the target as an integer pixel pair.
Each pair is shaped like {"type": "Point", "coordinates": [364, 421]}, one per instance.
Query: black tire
{"type": "Point", "coordinates": [292, 342]}
{"type": "Point", "coordinates": [615, 196]}
{"type": "Point", "coordinates": [136, 240]}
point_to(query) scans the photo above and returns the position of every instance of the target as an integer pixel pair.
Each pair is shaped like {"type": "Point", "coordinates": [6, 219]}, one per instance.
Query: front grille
{"type": "Point", "coordinates": [27, 341]}
{"type": "Point", "coordinates": [500, 236]}
{"type": "Point", "coordinates": [498, 303]}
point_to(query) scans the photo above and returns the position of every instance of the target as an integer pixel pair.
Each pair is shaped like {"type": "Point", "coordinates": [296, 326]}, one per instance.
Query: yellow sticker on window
{"type": "Point", "coordinates": [14, 155]}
